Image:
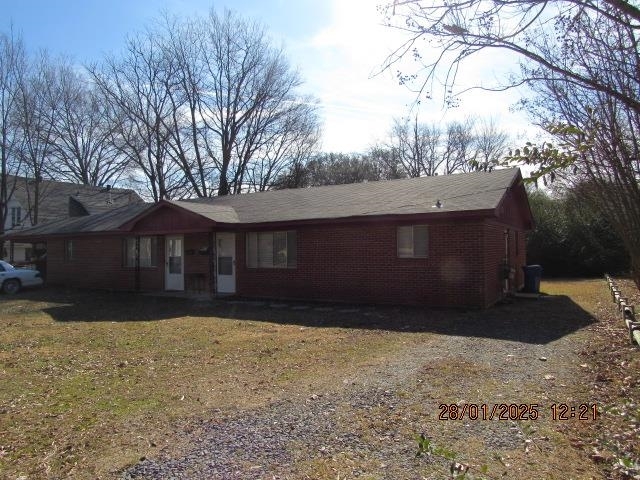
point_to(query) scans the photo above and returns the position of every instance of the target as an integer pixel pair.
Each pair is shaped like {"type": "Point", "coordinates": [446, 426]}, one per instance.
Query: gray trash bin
{"type": "Point", "coordinates": [532, 276]}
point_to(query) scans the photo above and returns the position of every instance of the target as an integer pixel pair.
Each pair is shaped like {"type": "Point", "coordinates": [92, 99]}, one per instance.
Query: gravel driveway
{"type": "Point", "coordinates": [364, 424]}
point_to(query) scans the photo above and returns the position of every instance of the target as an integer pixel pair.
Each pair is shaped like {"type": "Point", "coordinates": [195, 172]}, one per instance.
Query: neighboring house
{"type": "Point", "coordinates": [57, 200]}
{"type": "Point", "coordinates": [456, 240]}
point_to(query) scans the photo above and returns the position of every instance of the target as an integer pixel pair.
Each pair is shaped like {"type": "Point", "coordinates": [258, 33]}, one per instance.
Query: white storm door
{"type": "Point", "coordinates": [226, 262]}
{"type": "Point", "coordinates": [174, 271]}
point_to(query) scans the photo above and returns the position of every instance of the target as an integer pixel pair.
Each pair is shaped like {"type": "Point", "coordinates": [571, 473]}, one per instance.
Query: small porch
{"type": "Point", "coordinates": [193, 255]}
{"type": "Point", "coordinates": [190, 265]}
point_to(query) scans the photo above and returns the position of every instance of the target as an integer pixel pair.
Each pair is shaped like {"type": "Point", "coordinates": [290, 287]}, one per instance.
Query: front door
{"type": "Point", "coordinates": [226, 262]}
{"type": "Point", "coordinates": [174, 272]}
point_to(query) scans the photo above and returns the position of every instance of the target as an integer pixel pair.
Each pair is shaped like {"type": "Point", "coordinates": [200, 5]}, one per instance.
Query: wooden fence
{"type": "Point", "coordinates": [627, 311]}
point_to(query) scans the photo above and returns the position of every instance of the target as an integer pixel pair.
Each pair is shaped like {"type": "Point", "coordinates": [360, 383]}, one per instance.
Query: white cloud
{"type": "Point", "coordinates": [338, 63]}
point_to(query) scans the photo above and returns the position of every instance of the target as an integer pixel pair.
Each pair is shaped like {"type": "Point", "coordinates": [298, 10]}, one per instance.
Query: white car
{"type": "Point", "coordinates": [13, 279]}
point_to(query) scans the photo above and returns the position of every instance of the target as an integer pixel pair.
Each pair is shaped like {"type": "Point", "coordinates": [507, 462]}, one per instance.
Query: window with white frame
{"type": "Point", "coordinates": [16, 216]}
{"type": "Point", "coordinates": [271, 249]}
{"type": "Point", "coordinates": [148, 252]}
{"type": "Point", "coordinates": [413, 241]}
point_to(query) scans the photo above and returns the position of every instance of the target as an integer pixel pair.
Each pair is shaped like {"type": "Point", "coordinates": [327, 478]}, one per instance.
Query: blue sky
{"type": "Point", "coordinates": [336, 45]}
{"type": "Point", "coordinates": [86, 29]}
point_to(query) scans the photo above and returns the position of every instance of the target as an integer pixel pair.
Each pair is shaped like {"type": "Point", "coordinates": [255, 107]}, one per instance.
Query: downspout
{"type": "Point", "coordinates": [137, 269]}
{"type": "Point", "coordinates": [212, 264]}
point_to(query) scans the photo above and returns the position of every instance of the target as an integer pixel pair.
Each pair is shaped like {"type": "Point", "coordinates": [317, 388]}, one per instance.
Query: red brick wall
{"type": "Point", "coordinates": [514, 209]}
{"type": "Point", "coordinates": [494, 249]}
{"type": "Point", "coordinates": [97, 263]}
{"type": "Point", "coordinates": [495, 252]}
{"type": "Point", "coordinates": [359, 263]}
{"type": "Point", "coordinates": [349, 263]}
{"type": "Point", "coordinates": [518, 256]}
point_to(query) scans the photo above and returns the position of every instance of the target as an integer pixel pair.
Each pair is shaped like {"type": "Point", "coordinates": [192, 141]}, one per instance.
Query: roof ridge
{"type": "Point", "coordinates": [354, 184]}
{"type": "Point", "coordinates": [71, 184]}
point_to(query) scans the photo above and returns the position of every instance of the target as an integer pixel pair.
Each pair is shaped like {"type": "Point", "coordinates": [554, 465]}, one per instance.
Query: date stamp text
{"type": "Point", "coordinates": [516, 411]}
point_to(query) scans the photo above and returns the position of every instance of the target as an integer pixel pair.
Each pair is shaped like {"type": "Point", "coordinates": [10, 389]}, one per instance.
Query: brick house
{"type": "Point", "coordinates": [455, 240]}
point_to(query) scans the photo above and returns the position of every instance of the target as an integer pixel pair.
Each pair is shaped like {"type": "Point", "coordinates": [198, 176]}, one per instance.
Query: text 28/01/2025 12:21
{"type": "Point", "coordinates": [514, 411]}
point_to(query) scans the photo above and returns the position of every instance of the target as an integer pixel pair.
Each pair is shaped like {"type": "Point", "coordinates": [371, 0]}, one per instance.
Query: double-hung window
{"type": "Point", "coordinates": [148, 252]}
{"type": "Point", "coordinates": [413, 241]}
{"type": "Point", "coordinates": [271, 249]}
{"type": "Point", "coordinates": [16, 216]}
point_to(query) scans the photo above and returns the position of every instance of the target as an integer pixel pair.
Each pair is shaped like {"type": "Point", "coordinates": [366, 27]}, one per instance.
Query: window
{"type": "Point", "coordinates": [148, 252]}
{"type": "Point", "coordinates": [16, 216]}
{"type": "Point", "coordinates": [225, 265]}
{"type": "Point", "coordinates": [271, 249]}
{"type": "Point", "coordinates": [413, 241]}
{"type": "Point", "coordinates": [68, 250]}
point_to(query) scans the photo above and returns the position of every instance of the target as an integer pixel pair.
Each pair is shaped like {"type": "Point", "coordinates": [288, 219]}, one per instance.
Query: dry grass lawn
{"type": "Point", "coordinates": [90, 382]}
{"type": "Point", "coordinates": [611, 370]}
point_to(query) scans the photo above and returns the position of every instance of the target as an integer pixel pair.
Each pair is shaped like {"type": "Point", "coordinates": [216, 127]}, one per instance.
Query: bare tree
{"type": "Point", "coordinates": [83, 147]}
{"type": "Point", "coordinates": [598, 155]}
{"type": "Point", "coordinates": [290, 141]}
{"type": "Point", "coordinates": [527, 28]}
{"type": "Point", "coordinates": [37, 108]}
{"type": "Point", "coordinates": [490, 147]}
{"type": "Point", "coordinates": [136, 89]}
{"type": "Point", "coordinates": [181, 42]}
{"type": "Point", "coordinates": [209, 105]}
{"type": "Point", "coordinates": [331, 169]}
{"type": "Point", "coordinates": [251, 99]}
{"type": "Point", "coordinates": [458, 145]}
{"type": "Point", "coordinates": [420, 149]}
{"type": "Point", "coordinates": [415, 147]}
{"type": "Point", "coordinates": [596, 126]}
{"type": "Point", "coordinates": [386, 161]}
{"type": "Point", "coordinates": [196, 107]}
{"type": "Point", "coordinates": [13, 64]}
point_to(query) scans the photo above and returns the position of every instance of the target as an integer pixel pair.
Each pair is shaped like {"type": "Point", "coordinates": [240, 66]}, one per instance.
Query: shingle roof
{"type": "Point", "coordinates": [101, 222]}
{"type": "Point", "coordinates": [54, 197]}
{"type": "Point", "coordinates": [456, 193]}
{"type": "Point", "coordinates": [467, 192]}
{"type": "Point", "coordinates": [211, 209]}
